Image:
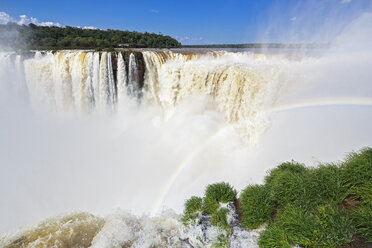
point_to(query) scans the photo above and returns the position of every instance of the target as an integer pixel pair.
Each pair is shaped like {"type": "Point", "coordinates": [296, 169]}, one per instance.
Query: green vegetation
{"type": "Point", "coordinates": [356, 170]}
{"type": "Point", "coordinates": [218, 193]}
{"type": "Point", "coordinates": [215, 195]}
{"type": "Point", "coordinates": [289, 183]}
{"type": "Point", "coordinates": [193, 208]}
{"type": "Point", "coordinates": [219, 219]}
{"type": "Point", "coordinates": [324, 227]}
{"type": "Point", "coordinates": [39, 37]}
{"type": "Point", "coordinates": [362, 219]}
{"type": "Point", "coordinates": [211, 205]}
{"type": "Point", "coordinates": [258, 45]}
{"type": "Point", "coordinates": [356, 175]}
{"type": "Point", "coordinates": [326, 206]}
{"type": "Point", "coordinates": [212, 209]}
{"type": "Point", "coordinates": [256, 206]}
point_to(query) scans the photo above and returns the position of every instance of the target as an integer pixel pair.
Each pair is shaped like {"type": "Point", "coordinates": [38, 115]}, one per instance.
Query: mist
{"type": "Point", "coordinates": [137, 160]}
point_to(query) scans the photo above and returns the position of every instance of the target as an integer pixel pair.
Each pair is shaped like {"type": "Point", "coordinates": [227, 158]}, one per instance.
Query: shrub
{"type": "Point", "coordinates": [357, 169]}
{"type": "Point", "coordinates": [363, 193]}
{"type": "Point", "coordinates": [298, 226]}
{"type": "Point", "coordinates": [193, 208]}
{"type": "Point", "coordinates": [334, 226]}
{"type": "Point", "coordinates": [273, 236]}
{"type": "Point", "coordinates": [219, 218]}
{"type": "Point", "coordinates": [256, 206]}
{"type": "Point", "coordinates": [315, 207]}
{"type": "Point", "coordinates": [328, 183]}
{"type": "Point", "coordinates": [362, 220]}
{"type": "Point", "coordinates": [290, 183]}
{"type": "Point", "coordinates": [218, 193]}
{"type": "Point", "coordinates": [326, 226]}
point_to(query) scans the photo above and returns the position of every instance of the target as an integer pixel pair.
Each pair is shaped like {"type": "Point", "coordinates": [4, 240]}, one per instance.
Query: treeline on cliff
{"type": "Point", "coordinates": [40, 37]}
{"type": "Point", "coordinates": [259, 45]}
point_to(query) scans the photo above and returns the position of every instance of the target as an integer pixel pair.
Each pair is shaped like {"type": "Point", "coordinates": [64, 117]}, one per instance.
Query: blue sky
{"type": "Point", "coordinates": [199, 22]}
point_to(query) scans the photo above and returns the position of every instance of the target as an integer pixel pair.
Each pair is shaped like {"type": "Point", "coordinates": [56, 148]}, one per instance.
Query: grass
{"type": "Point", "coordinates": [324, 206]}
{"type": "Point", "coordinates": [256, 206]}
{"type": "Point", "coordinates": [356, 175]}
{"type": "Point", "coordinates": [362, 220]}
{"type": "Point", "coordinates": [291, 183]}
{"type": "Point", "coordinates": [327, 181]}
{"type": "Point", "coordinates": [310, 203]}
{"type": "Point", "coordinates": [356, 171]}
{"type": "Point", "coordinates": [298, 225]}
{"type": "Point", "coordinates": [334, 225]}
{"type": "Point", "coordinates": [218, 193]}
{"type": "Point", "coordinates": [193, 208]}
{"type": "Point", "coordinates": [211, 205]}
{"type": "Point", "coordinates": [219, 218]}
{"type": "Point", "coordinates": [274, 236]}
{"type": "Point", "coordinates": [325, 227]}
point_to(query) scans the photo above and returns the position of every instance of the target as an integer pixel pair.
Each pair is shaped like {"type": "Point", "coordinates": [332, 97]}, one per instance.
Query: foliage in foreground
{"type": "Point", "coordinates": [256, 206]}
{"type": "Point", "coordinates": [324, 227]}
{"type": "Point", "coordinates": [325, 206]}
{"type": "Point", "coordinates": [213, 209]}
{"type": "Point", "coordinates": [211, 205]}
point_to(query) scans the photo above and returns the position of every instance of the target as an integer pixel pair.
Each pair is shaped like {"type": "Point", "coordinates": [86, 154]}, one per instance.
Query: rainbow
{"type": "Point", "coordinates": [183, 165]}
{"type": "Point", "coordinates": [323, 102]}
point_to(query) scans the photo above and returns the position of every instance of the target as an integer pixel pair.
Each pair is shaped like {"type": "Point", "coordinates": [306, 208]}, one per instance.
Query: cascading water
{"type": "Point", "coordinates": [106, 81]}
{"type": "Point", "coordinates": [133, 80]}
{"type": "Point", "coordinates": [122, 78]}
{"type": "Point", "coordinates": [241, 85]}
{"type": "Point", "coordinates": [11, 62]}
{"type": "Point", "coordinates": [186, 131]}
{"type": "Point", "coordinates": [84, 82]}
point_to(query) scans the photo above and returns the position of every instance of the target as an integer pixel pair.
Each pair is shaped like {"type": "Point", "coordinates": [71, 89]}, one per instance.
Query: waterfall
{"type": "Point", "coordinates": [103, 81]}
{"type": "Point", "coordinates": [78, 76]}
{"type": "Point", "coordinates": [111, 83]}
{"type": "Point", "coordinates": [122, 78]}
{"type": "Point", "coordinates": [107, 89]}
{"type": "Point", "coordinates": [39, 74]}
{"type": "Point", "coordinates": [241, 85]}
{"type": "Point", "coordinates": [63, 81]}
{"type": "Point", "coordinates": [133, 80]}
{"type": "Point", "coordinates": [11, 70]}
{"type": "Point", "coordinates": [88, 85]}
{"type": "Point", "coordinates": [95, 79]}
{"type": "Point", "coordinates": [143, 130]}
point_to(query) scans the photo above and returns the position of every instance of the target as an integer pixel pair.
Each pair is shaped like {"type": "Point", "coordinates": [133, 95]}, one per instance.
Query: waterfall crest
{"type": "Point", "coordinates": [241, 84]}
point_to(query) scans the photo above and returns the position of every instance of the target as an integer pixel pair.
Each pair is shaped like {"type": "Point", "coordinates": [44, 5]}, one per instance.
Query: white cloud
{"type": "Point", "coordinates": [187, 38]}
{"type": "Point", "coordinates": [293, 19]}
{"type": "Point", "coordinates": [5, 18]}
{"type": "Point", "coordinates": [89, 27]}
{"type": "Point", "coordinates": [155, 11]}
{"type": "Point", "coordinates": [25, 20]}
{"type": "Point", "coordinates": [48, 24]}
{"type": "Point", "coordinates": [345, 1]}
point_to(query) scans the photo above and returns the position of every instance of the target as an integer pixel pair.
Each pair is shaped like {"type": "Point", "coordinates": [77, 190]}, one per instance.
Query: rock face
{"type": "Point", "coordinates": [134, 70]}
{"type": "Point", "coordinates": [139, 62]}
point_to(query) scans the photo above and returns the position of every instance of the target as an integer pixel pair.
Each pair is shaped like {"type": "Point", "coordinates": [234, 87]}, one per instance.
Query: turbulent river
{"type": "Point", "coordinates": [84, 133]}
